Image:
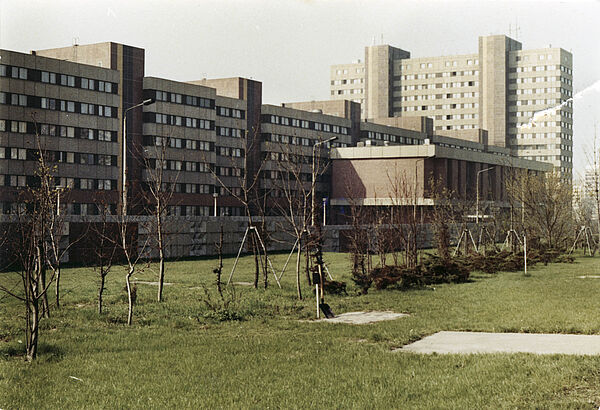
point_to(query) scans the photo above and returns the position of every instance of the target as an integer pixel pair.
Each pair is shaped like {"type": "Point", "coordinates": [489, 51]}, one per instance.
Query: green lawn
{"type": "Point", "coordinates": [174, 356]}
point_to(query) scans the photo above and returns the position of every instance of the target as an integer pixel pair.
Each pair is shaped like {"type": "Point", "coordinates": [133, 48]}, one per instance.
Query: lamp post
{"type": "Point", "coordinates": [415, 193]}
{"type": "Point", "coordinates": [314, 178]}
{"type": "Point", "coordinates": [477, 200]}
{"type": "Point", "coordinates": [215, 196]}
{"type": "Point", "coordinates": [58, 190]}
{"type": "Point", "coordinates": [124, 153]}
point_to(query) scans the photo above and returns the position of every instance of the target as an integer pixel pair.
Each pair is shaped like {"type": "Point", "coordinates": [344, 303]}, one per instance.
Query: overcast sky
{"type": "Point", "coordinates": [290, 44]}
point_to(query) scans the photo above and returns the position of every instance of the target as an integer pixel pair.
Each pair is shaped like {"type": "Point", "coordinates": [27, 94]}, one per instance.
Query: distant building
{"type": "Point", "coordinates": [498, 89]}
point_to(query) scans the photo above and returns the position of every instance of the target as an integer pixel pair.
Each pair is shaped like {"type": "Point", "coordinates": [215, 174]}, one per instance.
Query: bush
{"type": "Point", "coordinates": [433, 270]}
{"type": "Point", "coordinates": [333, 287]}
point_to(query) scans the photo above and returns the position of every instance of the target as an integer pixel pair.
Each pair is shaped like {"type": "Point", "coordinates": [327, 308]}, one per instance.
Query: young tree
{"type": "Point", "coordinates": [294, 187]}
{"type": "Point", "coordinates": [546, 205]}
{"type": "Point", "coordinates": [245, 188]}
{"type": "Point", "coordinates": [36, 232]}
{"type": "Point", "coordinates": [105, 233]}
{"type": "Point", "coordinates": [161, 184]}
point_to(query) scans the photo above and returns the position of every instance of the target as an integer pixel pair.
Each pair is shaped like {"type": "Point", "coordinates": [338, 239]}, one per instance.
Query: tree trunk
{"type": "Point", "coordinates": [161, 255]}
{"type": "Point", "coordinates": [100, 291]}
{"type": "Point", "coordinates": [161, 273]}
{"type": "Point", "coordinates": [33, 329]}
{"type": "Point", "coordinates": [307, 270]}
{"type": "Point", "coordinates": [58, 285]}
{"type": "Point", "coordinates": [42, 282]}
{"type": "Point", "coordinates": [129, 297]}
{"type": "Point", "coordinates": [298, 273]}
{"type": "Point", "coordinates": [256, 263]}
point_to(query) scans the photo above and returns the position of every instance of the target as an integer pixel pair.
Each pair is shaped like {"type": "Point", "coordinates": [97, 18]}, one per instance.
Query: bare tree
{"type": "Point", "coordinates": [246, 190]}
{"type": "Point", "coordinates": [294, 184]}
{"type": "Point", "coordinates": [546, 205]}
{"type": "Point", "coordinates": [36, 232]}
{"type": "Point", "coordinates": [161, 184]}
{"type": "Point", "coordinates": [592, 181]}
{"type": "Point", "coordinates": [104, 250]}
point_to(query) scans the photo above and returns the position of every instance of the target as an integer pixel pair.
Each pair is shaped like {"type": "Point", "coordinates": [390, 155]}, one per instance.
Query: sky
{"type": "Point", "coordinates": [289, 45]}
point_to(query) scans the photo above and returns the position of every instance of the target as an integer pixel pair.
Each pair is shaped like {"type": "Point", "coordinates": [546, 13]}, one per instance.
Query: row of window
{"type": "Point", "coordinates": [457, 127]}
{"type": "Point", "coordinates": [539, 57]}
{"type": "Point", "coordinates": [58, 156]}
{"type": "Point", "coordinates": [178, 143]}
{"type": "Point", "coordinates": [74, 183]}
{"type": "Point", "coordinates": [447, 63]}
{"type": "Point", "coordinates": [294, 122]}
{"type": "Point", "coordinates": [562, 147]}
{"type": "Point", "coordinates": [57, 78]}
{"type": "Point", "coordinates": [180, 98]}
{"type": "Point", "coordinates": [167, 119]}
{"type": "Point", "coordinates": [69, 208]}
{"type": "Point", "coordinates": [562, 135]}
{"type": "Point", "coordinates": [25, 127]}
{"type": "Point", "coordinates": [425, 76]}
{"type": "Point", "coordinates": [347, 92]}
{"type": "Point", "coordinates": [531, 80]}
{"type": "Point", "coordinates": [529, 69]}
{"type": "Point", "coordinates": [58, 105]}
{"type": "Point", "coordinates": [229, 172]}
{"type": "Point", "coordinates": [529, 91]}
{"type": "Point", "coordinates": [392, 138]}
{"type": "Point", "coordinates": [286, 139]}
{"type": "Point", "coordinates": [562, 158]}
{"type": "Point", "coordinates": [529, 114]}
{"type": "Point", "coordinates": [230, 152]}
{"type": "Point", "coordinates": [183, 188]}
{"type": "Point", "coordinates": [177, 165]}
{"type": "Point", "coordinates": [230, 112]}
{"type": "Point", "coordinates": [286, 176]}
{"type": "Point", "coordinates": [230, 132]}
{"type": "Point", "coordinates": [543, 101]}
{"type": "Point", "coordinates": [562, 124]}
{"type": "Point", "coordinates": [439, 96]}
{"type": "Point", "coordinates": [345, 71]}
{"type": "Point", "coordinates": [348, 81]}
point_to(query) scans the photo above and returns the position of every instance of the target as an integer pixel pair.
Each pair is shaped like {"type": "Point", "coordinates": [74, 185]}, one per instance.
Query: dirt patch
{"type": "Point", "coordinates": [141, 282]}
{"type": "Point", "coordinates": [363, 318]}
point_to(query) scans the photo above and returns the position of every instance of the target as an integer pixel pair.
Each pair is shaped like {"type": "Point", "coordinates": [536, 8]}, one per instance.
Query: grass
{"type": "Point", "coordinates": [175, 355]}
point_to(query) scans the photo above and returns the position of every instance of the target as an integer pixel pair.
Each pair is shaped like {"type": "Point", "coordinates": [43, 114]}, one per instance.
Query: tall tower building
{"type": "Point", "coordinates": [498, 90]}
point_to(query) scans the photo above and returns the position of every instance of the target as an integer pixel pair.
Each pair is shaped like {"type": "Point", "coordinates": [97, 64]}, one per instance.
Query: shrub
{"type": "Point", "coordinates": [334, 287]}
{"type": "Point", "coordinates": [433, 270]}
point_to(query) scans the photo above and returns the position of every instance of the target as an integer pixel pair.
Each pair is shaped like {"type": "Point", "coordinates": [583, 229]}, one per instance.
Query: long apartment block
{"type": "Point", "coordinates": [497, 89]}
{"type": "Point", "coordinates": [212, 137]}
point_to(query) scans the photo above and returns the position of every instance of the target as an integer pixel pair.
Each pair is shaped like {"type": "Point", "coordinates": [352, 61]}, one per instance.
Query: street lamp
{"type": "Point", "coordinates": [124, 163]}
{"type": "Point", "coordinates": [415, 193]}
{"type": "Point", "coordinates": [314, 178]}
{"type": "Point", "coordinates": [215, 196]}
{"type": "Point", "coordinates": [58, 190]}
{"type": "Point", "coordinates": [477, 200]}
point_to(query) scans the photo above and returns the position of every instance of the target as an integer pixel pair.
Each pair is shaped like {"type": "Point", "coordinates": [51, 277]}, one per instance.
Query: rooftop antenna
{"type": "Point", "coordinates": [75, 44]}
{"type": "Point", "coordinates": [381, 38]}
{"type": "Point", "coordinates": [374, 40]}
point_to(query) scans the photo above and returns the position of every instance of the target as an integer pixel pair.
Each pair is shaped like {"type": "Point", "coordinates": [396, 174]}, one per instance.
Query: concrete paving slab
{"type": "Point", "coordinates": [363, 318]}
{"type": "Point", "coordinates": [482, 342]}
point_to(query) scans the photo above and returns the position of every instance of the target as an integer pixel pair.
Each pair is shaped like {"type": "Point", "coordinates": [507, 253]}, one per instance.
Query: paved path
{"type": "Point", "coordinates": [480, 342]}
{"type": "Point", "coordinates": [363, 318]}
